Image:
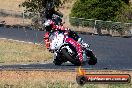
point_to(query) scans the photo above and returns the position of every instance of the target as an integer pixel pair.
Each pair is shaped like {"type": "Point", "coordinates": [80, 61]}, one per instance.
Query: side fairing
{"type": "Point", "coordinates": [57, 40]}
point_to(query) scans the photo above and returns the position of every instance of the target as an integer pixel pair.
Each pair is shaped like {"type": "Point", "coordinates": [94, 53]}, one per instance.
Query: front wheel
{"type": "Point", "coordinates": [57, 60]}
{"type": "Point", "coordinates": [70, 58]}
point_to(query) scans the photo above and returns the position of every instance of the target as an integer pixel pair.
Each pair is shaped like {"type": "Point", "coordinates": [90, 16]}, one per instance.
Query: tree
{"type": "Point", "coordinates": [37, 7]}
{"type": "Point", "coordinates": [98, 9]}
{"type": "Point", "coordinates": [126, 1]}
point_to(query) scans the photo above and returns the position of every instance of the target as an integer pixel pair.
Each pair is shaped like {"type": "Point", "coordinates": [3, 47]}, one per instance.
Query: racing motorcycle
{"type": "Point", "coordinates": [66, 49]}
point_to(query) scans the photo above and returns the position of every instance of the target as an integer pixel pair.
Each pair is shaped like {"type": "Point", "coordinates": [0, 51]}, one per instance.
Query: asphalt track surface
{"type": "Point", "coordinates": [114, 53]}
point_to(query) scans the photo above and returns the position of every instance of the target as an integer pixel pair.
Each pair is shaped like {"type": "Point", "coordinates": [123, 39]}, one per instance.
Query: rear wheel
{"type": "Point", "coordinates": [92, 61]}
{"type": "Point", "coordinates": [70, 58]}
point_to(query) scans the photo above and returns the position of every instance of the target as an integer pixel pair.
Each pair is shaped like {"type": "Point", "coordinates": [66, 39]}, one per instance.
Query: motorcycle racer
{"type": "Point", "coordinates": [56, 24]}
{"type": "Point", "coordinates": [58, 38]}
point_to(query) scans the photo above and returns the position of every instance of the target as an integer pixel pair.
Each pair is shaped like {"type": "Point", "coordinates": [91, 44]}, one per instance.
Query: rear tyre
{"type": "Point", "coordinates": [74, 61]}
{"type": "Point", "coordinates": [93, 59]}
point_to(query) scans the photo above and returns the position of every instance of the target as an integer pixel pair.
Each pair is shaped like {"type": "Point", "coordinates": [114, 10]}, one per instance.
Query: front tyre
{"type": "Point", "coordinates": [57, 60]}
{"type": "Point", "coordinates": [74, 61]}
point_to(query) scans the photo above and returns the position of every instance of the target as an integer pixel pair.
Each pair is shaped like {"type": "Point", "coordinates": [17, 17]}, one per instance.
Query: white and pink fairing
{"type": "Point", "coordinates": [57, 40]}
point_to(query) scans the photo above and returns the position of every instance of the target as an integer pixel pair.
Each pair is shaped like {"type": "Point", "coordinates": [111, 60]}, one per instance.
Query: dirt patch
{"type": "Point", "coordinates": [15, 21]}
{"type": "Point", "coordinates": [11, 4]}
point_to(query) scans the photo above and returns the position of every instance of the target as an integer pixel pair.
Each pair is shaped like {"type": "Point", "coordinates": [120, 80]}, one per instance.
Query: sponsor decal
{"type": "Point", "coordinates": [77, 45]}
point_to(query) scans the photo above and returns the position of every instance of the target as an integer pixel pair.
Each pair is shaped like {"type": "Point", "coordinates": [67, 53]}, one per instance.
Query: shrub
{"type": "Point", "coordinates": [100, 10]}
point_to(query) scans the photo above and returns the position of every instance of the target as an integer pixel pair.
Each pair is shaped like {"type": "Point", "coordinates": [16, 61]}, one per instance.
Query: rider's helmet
{"type": "Point", "coordinates": [49, 6]}
{"type": "Point", "coordinates": [57, 19]}
{"type": "Point", "coordinates": [49, 10]}
{"type": "Point", "coordinates": [48, 25]}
